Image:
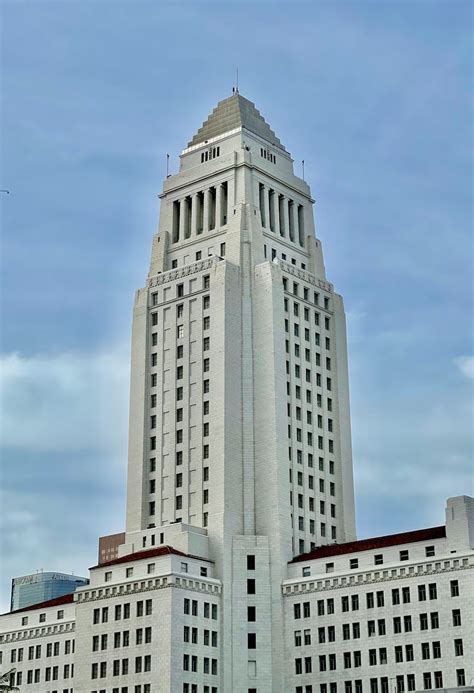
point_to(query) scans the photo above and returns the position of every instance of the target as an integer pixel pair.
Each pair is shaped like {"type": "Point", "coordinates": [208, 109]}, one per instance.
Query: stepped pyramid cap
{"type": "Point", "coordinates": [232, 113]}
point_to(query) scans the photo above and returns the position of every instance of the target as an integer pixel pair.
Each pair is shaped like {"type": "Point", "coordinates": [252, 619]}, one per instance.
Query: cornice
{"type": "Point", "coordinates": [313, 584]}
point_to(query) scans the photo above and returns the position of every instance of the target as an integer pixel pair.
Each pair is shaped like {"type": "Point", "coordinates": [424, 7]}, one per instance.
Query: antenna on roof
{"type": "Point", "coordinates": [167, 165]}
{"type": "Point", "coordinates": [302, 164]}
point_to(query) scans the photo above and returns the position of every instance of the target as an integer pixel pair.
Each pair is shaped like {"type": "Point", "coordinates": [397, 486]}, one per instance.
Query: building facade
{"type": "Point", "coordinates": [40, 587]}
{"type": "Point", "coordinates": [109, 546]}
{"type": "Point", "coordinates": [240, 491]}
{"type": "Point", "coordinates": [387, 614]}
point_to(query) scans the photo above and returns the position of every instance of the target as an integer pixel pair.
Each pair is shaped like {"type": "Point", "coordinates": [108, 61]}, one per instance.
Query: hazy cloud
{"type": "Point", "coordinates": [64, 447]}
{"type": "Point", "coordinates": [466, 365]}
{"type": "Point", "coordinates": [67, 401]}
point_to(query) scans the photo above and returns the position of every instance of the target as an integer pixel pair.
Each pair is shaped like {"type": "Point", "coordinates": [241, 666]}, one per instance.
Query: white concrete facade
{"type": "Point", "coordinates": [239, 418]}
{"type": "Point", "coordinates": [240, 456]}
{"type": "Point", "coordinates": [387, 614]}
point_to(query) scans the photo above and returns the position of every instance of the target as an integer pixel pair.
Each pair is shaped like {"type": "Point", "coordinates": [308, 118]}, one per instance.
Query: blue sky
{"type": "Point", "coordinates": [375, 96]}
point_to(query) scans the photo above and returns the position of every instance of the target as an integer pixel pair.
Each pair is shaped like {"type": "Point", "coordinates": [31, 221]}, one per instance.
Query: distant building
{"type": "Point", "coordinates": [41, 587]}
{"type": "Point", "coordinates": [109, 547]}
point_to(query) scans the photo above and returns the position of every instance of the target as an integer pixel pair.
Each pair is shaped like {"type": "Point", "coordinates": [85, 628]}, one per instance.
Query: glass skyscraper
{"type": "Point", "coordinates": [40, 587]}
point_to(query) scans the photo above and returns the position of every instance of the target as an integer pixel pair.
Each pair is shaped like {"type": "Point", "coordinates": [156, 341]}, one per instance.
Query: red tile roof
{"type": "Point", "coordinates": [148, 553]}
{"type": "Point", "coordinates": [373, 543]}
{"type": "Point", "coordinates": [57, 601]}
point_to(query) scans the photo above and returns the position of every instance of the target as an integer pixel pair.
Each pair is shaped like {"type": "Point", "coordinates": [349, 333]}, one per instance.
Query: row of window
{"type": "Point", "coordinates": [372, 599]}
{"type": "Point", "coordinates": [50, 674]}
{"type": "Point", "coordinates": [191, 635]}
{"type": "Point", "coordinates": [206, 302]}
{"type": "Point", "coordinates": [121, 667]}
{"type": "Point", "coordinates": [311, 525]}
{"type": "Point", "coordinates": [307, 356]}
{"type": "Point", "coordinates": [267, 154]}
{"type": "Point", "coordinates": [379, 627]}
{"type": "Point", "coordinates": [306, 295]}
{"type": "Point", "coordinates": [304, 665]}
{"type": "Point", "coordinates": [274, 255]}
{"type": "Point", "coordinates": [198, 255]}
{"type": "Point", "coordinates": [310, 463]}
{"type": "Point", "coordinates": [382, 685]}
{"type": "Point", "coordinates": [180, 290]}
{"type": "Point", "coordinates": [306, 334]}
{"type": "Point", "coordinates": [190, 663]}
{"type": "Point", "coordinates": [138, 688]}
{"type": "Point", "coordinates": [142, 608]}
{"type": "Point", "coordinates": [405, 591]}
{"type": "Point", "coordinates": [306, 313]}
{"type": "Point", "coordinates": [211, 153]}
{"type": "Point", "coordinates": [34, 651]}
{"type": "Point", "coordinates": [121, 639]}
{"type": "Point", "coordinates": [309, 439]}
{"type": "Point", "coordinates": [191, 608]}
{"type": "Point", "coordinates": [375, 656]}
{"type": "Point", "coordinates": [42, 617]}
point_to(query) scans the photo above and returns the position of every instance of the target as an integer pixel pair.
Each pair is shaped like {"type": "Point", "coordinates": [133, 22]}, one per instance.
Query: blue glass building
{"type": "Point", "coordinates": [40, 587]}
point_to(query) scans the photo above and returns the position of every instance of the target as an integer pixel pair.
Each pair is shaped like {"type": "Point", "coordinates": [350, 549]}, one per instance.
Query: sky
{"type": "Point", "coordinates": [374, 96]}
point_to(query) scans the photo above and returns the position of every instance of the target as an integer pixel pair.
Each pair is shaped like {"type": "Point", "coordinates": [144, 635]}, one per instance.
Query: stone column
{"type": "Point", "coordinates": [266, 206]}
{"type": "Point", "coordinates": [286, 218]}
{"type": "Point", "coordinates": [194, 210]}
{"type": "Point", "coordinates": [205, 216]}
{"type": "Point", "coordinates": [293, 211]}
{"type": "Point", "coordinates": [300, 213]}
{"type": "Point", "coordinates": [276, 212]}
{"type": "Point", "coordinates": [218, 206]}
{"type": "Point", "coordinates": [182, 218]}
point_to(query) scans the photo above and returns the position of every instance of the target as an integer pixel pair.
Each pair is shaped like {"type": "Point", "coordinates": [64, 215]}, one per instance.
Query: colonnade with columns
{"type": "Point", "coordinates": [281, 215]}
{"type": "Point", "coordinates": [200, 212]}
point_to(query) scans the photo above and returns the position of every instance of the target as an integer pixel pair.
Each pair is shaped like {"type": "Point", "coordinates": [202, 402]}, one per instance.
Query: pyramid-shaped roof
{"type": "Point", "coordinates": [232, 113]}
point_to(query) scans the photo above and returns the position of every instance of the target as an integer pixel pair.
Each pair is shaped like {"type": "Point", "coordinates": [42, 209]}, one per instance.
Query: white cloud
{"type": "Point", "coordinates": [67, 401]}
{"type": "Point", "coordinates": [65, 417]}
{"type": "Point", "coordinates": [466, 365]}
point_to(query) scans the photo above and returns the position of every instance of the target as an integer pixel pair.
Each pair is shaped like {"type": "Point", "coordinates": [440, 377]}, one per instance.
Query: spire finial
{"type": "Point", "coordinates": [235, 90]}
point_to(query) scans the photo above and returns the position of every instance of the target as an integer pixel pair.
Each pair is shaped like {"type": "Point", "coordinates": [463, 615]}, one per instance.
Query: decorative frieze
{"type": "Point", "coordinates": [304, 275]}
{"type": "Point", "coordinates": [180, 272]}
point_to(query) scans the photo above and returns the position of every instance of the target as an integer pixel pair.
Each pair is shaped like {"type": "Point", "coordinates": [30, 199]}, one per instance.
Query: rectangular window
{"type": "Point", "coordinates": [458, 647]}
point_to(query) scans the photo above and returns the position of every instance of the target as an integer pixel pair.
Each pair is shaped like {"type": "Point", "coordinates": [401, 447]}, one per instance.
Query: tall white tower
{"type": "Point", "coordinates": [239, 412]}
